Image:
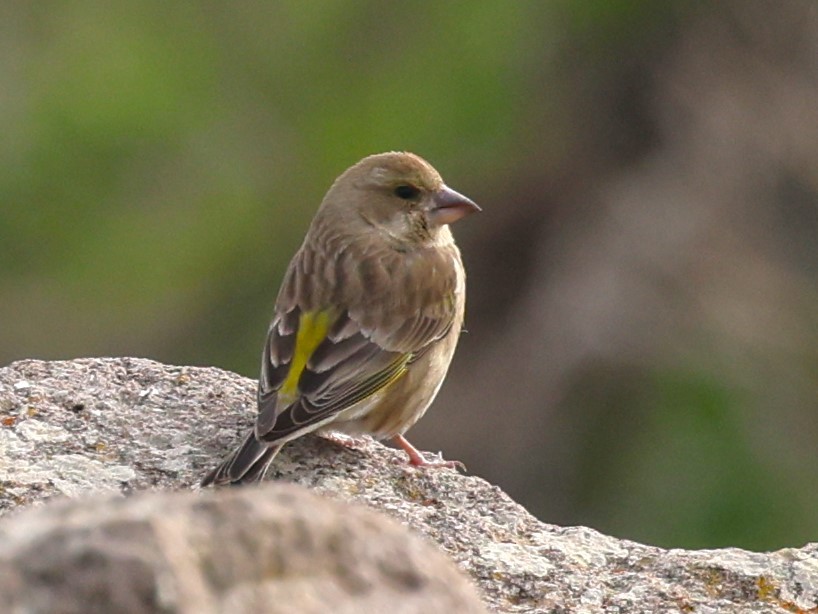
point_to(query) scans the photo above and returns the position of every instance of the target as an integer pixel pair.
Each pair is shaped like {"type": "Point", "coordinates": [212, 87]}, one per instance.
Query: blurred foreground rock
{"type": "Point", "coordinates": [275, 549]}
{"type": "Point", "coordinates": [123, 425]}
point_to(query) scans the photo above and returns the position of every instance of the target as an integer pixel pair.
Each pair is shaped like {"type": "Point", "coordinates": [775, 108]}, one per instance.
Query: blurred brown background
{"type": "Point", "coordinates": [642, 346]}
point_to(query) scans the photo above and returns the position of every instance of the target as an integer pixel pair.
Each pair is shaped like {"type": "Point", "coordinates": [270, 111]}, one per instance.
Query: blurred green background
{"type": "Point", "coordinates": [642, 346]}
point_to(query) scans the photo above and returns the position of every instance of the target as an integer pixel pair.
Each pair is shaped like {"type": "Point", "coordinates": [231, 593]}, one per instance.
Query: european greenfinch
{"type": "Point", "coordinates": [367, 317]}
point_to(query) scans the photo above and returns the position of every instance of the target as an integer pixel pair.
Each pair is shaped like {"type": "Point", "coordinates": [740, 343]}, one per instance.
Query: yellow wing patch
{"type": "Point", "coordinates": [312, 330]}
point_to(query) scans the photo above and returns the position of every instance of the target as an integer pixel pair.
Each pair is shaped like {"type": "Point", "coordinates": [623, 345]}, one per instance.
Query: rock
{"type": "Point", "coordinates": [123, 425]}
{"type": "Point", "coordinates": [278, 548]}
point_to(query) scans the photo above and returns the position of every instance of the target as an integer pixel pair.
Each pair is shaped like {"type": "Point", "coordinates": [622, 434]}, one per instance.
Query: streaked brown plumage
{"type": "Point", "coordinates": [367, 317]}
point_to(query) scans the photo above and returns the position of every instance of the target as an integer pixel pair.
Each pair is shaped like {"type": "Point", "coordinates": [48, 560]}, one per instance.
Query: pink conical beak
{"type": "Point", "coordinates": [449, 206]}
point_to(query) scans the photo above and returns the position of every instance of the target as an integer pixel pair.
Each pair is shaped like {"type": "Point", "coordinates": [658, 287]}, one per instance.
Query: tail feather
{"type": "Point", "coordinates": [247, 464]}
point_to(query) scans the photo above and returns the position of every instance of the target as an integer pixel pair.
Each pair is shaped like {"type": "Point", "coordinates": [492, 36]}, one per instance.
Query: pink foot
{"type": "Point", "coordinates": [416, 458]}
{"type": "Point", "coordinates": [345, 441]}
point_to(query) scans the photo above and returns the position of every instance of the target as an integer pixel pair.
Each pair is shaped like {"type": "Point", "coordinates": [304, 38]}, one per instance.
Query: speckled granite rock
{"type": "Point", "coordinates": [70, 428]}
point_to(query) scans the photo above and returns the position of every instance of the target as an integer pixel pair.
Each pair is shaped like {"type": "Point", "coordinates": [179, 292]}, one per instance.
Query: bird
{"type": "Point", "coordinates": [367, 317]}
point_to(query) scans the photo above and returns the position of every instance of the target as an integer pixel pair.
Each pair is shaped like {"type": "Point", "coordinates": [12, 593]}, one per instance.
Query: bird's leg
{"type": "Point", "coordinates": [416, 457]}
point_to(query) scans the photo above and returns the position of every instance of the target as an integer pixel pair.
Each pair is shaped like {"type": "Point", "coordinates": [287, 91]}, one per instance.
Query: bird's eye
{"type": "Point", "coordinates": [406, 192]}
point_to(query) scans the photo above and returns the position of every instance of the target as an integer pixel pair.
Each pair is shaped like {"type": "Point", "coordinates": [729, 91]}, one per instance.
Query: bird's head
{"type": "Point", "coordinates": [400, 194]}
